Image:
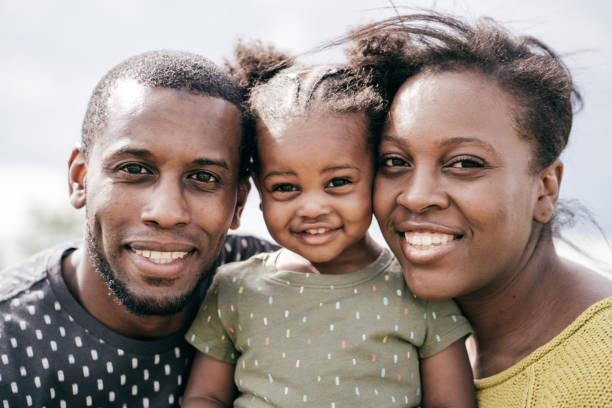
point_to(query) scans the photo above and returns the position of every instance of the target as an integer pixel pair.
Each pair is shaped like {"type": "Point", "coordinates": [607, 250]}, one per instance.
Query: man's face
{"type": "Point", "coordinates": [161, 190]}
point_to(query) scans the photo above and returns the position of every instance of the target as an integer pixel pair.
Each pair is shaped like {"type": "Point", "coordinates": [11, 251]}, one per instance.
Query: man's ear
{"type": "Point", "coordinates": [548, 191]}
{"type": "Point", "coordinates": [244, 186]}
{"type": "Point", "coordinates": [77, 169]}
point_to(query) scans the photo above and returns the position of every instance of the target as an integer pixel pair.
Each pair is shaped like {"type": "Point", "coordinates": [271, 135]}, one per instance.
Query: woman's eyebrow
{"type": "Point", "coordinates": [472, 140]}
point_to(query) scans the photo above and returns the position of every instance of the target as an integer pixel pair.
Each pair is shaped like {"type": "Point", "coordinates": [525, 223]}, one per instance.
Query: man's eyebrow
{"type": "Point", "coordinates": [147, 154]}
{"type": "Point", "coordinates": [211, 162]}
{"type": "Point", "coordinates": [130, 151]}
{"type": "Point", "coordinates": [473, 140]}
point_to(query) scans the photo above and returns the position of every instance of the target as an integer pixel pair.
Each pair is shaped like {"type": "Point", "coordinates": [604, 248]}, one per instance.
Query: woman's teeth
{"type": "Point", "coordinates": [159, 256]}
{"type": "Point", "coordinates": [427, 239]}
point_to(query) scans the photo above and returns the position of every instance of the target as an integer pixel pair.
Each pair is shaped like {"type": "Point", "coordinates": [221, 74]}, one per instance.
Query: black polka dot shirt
{"type": "Point", "coordinates": [54, 354]}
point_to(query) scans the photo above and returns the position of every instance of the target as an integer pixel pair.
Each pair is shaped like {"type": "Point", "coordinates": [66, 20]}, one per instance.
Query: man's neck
{"type": "Point", "coordinates": [91, 291]}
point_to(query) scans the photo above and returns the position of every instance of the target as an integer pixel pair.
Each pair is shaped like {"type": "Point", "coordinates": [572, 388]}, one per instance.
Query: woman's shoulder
{"type": "Point", "coordinates": [573, 366]}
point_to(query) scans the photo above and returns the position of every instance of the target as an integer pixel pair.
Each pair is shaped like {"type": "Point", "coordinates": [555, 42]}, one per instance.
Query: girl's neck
{"type": "Point", "coordinates": [352, 259]}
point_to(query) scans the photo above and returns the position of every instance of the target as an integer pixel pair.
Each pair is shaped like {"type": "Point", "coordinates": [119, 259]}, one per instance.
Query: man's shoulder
{"type": "Point", "coordinates": [23, 274]}
{"type": "Point", "coordinates": [240, 247]}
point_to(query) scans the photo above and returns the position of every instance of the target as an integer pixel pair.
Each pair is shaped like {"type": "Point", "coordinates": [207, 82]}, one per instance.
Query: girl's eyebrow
{"type": "Point", "coordinates": [340, 167]}
{"type": "Point", "coordinates": [279, 173]}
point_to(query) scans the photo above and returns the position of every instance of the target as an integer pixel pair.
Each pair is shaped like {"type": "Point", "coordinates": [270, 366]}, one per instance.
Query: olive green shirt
{"type": "Point", "coordinates": [350, 340]}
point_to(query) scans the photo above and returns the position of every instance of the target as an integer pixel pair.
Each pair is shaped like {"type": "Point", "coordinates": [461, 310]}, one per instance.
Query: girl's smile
{"type": "Point", "coordinates": [315, 181]}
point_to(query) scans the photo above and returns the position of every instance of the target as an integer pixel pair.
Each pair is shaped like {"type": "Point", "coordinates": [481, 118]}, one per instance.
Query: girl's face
{"type": "Point", "coordinates": [315, 181]}
{"type": "Point", "coordinates": [454, 194]}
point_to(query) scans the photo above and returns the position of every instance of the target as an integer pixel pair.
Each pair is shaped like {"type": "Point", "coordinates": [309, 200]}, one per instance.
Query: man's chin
{"type": "Point", "coordinates": [143, 306]}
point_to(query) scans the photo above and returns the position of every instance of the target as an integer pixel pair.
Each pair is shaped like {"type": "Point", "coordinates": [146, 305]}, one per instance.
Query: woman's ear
{"type": "Point", "coordinates": [77, 169]}
{"type": "Point", "coordinates": [548, 194]}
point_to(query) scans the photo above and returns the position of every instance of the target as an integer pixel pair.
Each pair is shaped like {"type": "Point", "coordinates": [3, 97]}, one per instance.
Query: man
{"type": "Point", "coordinates": [163, 174]}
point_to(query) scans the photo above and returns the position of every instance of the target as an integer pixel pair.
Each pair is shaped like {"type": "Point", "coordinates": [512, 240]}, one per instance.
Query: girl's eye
{"type": "Point", "coordinates": [203, 177]}
{"type": "Point", "coordinates": [393, 162]}
{"type": "Point", "coordinates": [284, 188]}
{"type": "Point", "coordinates": [338, 182]}
{"type": "Point", "coordinates": [466, 162]}
{"type": "Point", "coordinates": [133, 168]}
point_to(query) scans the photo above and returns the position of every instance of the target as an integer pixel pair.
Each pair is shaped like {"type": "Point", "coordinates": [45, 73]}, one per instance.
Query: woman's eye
{"type": "Point", "coordinates": [284, 188]}
{"type": "Point", "coordinates": [338, 182]}
{"type": "Point", "coordinates": [393, 162]}
{"type": "Point", "coordinates": [134, 168]}
{"type": "Point", "coordinates": [466, 163]}
{"type": "Point", "coordinates": [203, 177]}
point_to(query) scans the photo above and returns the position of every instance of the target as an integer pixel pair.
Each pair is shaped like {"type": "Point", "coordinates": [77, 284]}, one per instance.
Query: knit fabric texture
{"type": "Point", "coordinates": [574, 369]}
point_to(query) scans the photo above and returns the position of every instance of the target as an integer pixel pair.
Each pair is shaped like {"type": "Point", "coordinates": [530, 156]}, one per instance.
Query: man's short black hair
{"type": "Point", "coordinates": [178, 70]}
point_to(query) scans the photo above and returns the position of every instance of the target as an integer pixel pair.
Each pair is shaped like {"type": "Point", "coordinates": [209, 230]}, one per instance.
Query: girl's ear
{"type": "Point", "coordinates": [548, 194]}
{"type": "Point", "coordinates": [77, 169]}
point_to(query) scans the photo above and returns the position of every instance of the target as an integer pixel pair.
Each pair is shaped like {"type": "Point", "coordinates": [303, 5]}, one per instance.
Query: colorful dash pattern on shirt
{"type": "Point", "coordinates": [322, 340]}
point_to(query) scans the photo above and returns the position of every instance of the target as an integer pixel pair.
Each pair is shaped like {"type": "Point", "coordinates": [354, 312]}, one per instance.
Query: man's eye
{"type": "Point", "coordinates": [204, 177]}
{"type": "Point", "coordinates": [338, 182]}
{"type": "Point", "coordinates": [284, 188]}
{"type": "Point", "coordinates": [466, 163]}
{"type": "Point", "coordinates": [134, 168]}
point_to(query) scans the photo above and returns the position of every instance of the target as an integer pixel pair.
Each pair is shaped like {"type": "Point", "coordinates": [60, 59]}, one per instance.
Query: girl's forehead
{"type": "Point", "coordinates": [313, 125]}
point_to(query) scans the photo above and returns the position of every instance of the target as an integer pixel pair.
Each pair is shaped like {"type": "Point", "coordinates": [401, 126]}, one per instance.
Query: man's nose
{"type": "Point", "coordinates": [167, 206]}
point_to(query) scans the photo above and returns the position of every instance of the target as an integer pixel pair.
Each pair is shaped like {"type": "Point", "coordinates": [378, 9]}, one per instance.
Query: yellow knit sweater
{"type": "Point", "coordinates": [574, 369]}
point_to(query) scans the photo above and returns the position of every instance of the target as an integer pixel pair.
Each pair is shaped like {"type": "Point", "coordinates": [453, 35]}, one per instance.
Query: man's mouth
{"type": "Point", "coordinates": [425, 240]}
{"type": "Point", "coordinates": [160, 257]}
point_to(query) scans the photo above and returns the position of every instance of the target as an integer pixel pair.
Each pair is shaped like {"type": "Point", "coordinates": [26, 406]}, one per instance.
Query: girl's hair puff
{"type": "Point", "coordinates": [279, 91]}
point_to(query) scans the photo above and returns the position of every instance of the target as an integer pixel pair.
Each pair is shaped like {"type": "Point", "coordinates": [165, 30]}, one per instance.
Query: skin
{"type": "Point", "coordinates": [453, 166]}
{"type": "Point", "coordinates": [163, 176]}
{"type": "Point", "coordinates": [316, 172]}
{"type": "Point", "coordinates": [316, 175]}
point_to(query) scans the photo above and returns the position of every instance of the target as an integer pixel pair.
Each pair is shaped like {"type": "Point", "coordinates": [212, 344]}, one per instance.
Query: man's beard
{"type": "Point", "coordinates": [142, 306]}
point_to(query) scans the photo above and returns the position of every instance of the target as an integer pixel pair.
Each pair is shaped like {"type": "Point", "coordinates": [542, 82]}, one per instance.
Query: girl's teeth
{"type": "Point", "coordinates": [159, 256]}
{"type": "Point", "coordinates": [316, 230]}
{"type": "Point", "coordinates": [426, 239]}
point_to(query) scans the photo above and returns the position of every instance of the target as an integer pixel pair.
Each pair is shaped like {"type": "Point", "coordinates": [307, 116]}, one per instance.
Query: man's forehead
{"type": "Point", "coordinates": [140, 116]}
{"type": "Point", "coordinates": [127, 94]}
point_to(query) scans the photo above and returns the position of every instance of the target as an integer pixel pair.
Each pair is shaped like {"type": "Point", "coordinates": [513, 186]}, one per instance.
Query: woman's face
{"type": "Point", "coordinates": [454, 196]}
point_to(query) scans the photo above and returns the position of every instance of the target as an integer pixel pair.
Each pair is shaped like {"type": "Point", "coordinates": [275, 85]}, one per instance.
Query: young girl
{"type": "Point", "coordinates": [327, 320]}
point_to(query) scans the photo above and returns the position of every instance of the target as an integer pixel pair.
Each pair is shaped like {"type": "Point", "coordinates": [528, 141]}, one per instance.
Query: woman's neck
{"type": "Point", "coordinates": [541, 299]}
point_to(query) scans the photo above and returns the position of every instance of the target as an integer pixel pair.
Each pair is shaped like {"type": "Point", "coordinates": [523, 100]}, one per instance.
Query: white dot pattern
{"type": "Point", "coordinates": [53, 354]}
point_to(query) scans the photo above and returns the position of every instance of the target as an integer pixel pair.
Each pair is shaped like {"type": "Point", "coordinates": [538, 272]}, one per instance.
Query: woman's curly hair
{"type": "Point", "coordinates": [390, 51]}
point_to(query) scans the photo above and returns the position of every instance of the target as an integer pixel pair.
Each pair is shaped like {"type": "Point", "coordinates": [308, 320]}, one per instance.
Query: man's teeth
{"type": "Point", "coordinates": [427, 239]}
{"type": "Point", "coordinates": [316, 231]}
{"type": "Point", "coordinates": [159, 256]}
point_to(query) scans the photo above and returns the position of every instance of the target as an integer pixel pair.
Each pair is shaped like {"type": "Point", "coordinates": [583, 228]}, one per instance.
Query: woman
{"type": "Point", "coordinates": [465, 196]}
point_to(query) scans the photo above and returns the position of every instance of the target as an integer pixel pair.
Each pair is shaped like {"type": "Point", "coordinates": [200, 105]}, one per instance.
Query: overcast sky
{"type": "Point", "coordinates": [53, 53]}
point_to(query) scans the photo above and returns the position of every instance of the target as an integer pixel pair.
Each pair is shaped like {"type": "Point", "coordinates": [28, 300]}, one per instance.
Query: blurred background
{"type": "Point", "coordinates": [53, 54]}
